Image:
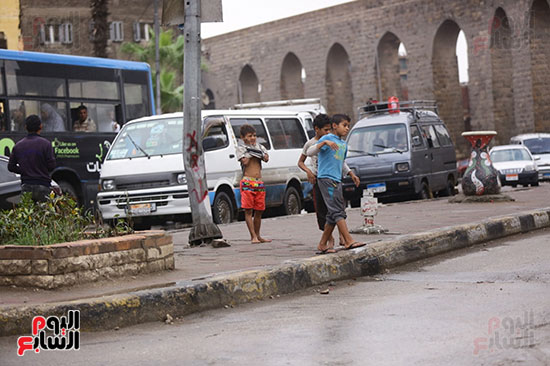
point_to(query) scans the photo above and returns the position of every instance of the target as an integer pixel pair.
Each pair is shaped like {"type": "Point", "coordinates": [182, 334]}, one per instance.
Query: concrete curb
{"type": "Point", "coordinates": [188, 297]}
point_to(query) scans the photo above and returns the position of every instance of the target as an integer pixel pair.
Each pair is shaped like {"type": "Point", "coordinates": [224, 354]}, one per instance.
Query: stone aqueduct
{"type": "Point", "coordinates": [349, 53]}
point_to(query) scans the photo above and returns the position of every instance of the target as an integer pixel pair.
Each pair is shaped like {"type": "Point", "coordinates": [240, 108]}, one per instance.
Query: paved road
{"type": "Point", "coordinates": [430, 313]}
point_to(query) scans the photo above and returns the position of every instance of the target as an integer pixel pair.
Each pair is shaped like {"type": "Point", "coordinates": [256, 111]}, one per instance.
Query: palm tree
{"type": "Point", "coordinates": [171, 64]}
{"type": "Point", "coordinates": [100, 32]}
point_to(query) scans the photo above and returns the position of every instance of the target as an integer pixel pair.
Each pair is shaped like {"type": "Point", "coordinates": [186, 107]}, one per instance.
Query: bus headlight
{"type": "Point", "coordinates": [402, 167]}
{"type": "Point", "coordinates": [108, 185]}
{"type": "Point", "coordinates": [181, 178]}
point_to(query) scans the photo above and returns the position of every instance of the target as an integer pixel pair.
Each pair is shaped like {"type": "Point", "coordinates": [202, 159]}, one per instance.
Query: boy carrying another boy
{"type": "Point", "coordinates": [251, 155]}
{"type": "Point", "coordinates": [332, 151]}
{"type": "Point", "coordinates": [322, 125]}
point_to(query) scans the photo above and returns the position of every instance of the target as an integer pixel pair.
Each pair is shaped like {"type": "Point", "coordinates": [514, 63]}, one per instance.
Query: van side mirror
{"type": "Point", "coordinates": [416, 141]}
{"type": "Point", "coordinates": [537, 157]}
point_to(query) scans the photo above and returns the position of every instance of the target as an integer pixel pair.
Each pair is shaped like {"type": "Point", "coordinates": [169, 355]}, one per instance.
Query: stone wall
{"type": "Point", "coordinates": [337, 47]}
{"type": "Point", "coordinates": [83, 261]}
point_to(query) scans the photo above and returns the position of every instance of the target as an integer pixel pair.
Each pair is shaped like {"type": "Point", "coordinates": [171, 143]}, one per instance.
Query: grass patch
{"type": "Point", "coordinates": [58, 220]}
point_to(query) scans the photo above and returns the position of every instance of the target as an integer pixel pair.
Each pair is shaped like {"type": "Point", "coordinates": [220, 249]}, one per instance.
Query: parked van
{"type": "Point", "coordinates": [143, 173]}
{"type": "Point", "coordinates": [539, 146]}
{"type": "Point", "coordinates": [401, 152]}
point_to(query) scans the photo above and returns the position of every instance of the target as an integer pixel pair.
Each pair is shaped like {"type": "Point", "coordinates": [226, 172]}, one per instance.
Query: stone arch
{"type": "Point", "coordinates": [292, 86]}
{"type": "Point", "coordinates": [447, 89]}
{"type": "Point", "coordinates": [502, 78]}
{"type": "Point", "coordinates": [208, 101]}
{"type": "Point", "coordinates": [248, 86]}
{"type": "Point", "coordinates": [539, 26]}
{"type": "Point", "coordinates": [390, 68]}
{"type": "Point", "coordinates": [338, 81]}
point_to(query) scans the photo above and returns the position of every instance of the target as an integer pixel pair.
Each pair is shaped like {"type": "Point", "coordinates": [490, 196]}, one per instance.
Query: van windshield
{"type": "Point", "coordinates": [374, 140]}
{"type": "Point", "coordinates": [148, 138]}
{"type": "Point", "coordinates": [538, 145]}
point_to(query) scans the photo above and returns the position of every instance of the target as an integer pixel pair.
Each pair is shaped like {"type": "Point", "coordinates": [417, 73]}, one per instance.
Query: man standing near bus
{"type": "Point", "coordinates": [84, 123]}
{"type": "Point", "coordinates": [33, 158]}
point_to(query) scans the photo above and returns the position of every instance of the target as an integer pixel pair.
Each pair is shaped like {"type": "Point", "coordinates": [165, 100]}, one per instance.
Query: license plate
{"type": "Point", "coordinates": [512, 177]}
{"type": "Point", "coordinates": [142, 209]}
{"type": "Point", "coordinates": [546, 175]}
{"type": "Point", "coordinates": [377, 187]}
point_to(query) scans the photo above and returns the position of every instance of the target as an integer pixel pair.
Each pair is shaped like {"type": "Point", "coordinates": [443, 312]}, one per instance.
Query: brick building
{"type": "Point", "coordinates": [349, 53]}
{"type": "Point", "coordinates": [49, 26]}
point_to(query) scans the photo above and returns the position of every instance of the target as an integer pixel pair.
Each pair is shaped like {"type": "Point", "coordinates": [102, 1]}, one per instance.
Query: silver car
{"type": "Point", "coordinates": [539, 146]}
{"type": "Point", "coordinates": [515, 165]}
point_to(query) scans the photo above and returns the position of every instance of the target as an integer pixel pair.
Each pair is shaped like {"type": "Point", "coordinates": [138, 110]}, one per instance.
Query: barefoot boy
{"type": "Point", "coordinates": [322, 125]}
{"type": "Point", "coordinates": [332, 152]}
{"type": "Point", "coordinates": [251, 155]}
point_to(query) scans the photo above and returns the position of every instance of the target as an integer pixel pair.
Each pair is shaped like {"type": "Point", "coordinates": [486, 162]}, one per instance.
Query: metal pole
{"type": "Point", "coordinates": [157, 58]}
{"type": "Point", "coordinates": [204, 229]}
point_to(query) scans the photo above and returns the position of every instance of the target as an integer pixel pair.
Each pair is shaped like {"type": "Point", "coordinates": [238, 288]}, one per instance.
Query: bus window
{"type": "Point", "coordinates": [102, 115]}
{"type": "Point", "coordinates": [1, 80]}
{"type": "Point", "coordinates": [51, 114]}
{"type": "Point", "coordinates": [4, 118]}
{"type": "Point", "coordinates": [23, 79]}
{"type": "Point", "coordinates": [136, 99]}
{"type": "Point", "coordinates": [93, 89]}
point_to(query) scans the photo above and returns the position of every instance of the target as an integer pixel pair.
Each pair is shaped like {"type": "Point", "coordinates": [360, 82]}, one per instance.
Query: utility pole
{"type": "Point", "coordinates": [157, 58]}
{"type": "Point", "coordinates": [204, 230]}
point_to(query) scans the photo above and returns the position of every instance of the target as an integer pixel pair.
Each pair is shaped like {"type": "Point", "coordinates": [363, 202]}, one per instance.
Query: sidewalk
{"type": "Point", "coordinates": [294, 238]}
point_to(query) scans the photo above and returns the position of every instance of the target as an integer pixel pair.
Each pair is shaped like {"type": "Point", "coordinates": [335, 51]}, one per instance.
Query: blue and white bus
{"type": "Point", "coordinates": [55, 87]}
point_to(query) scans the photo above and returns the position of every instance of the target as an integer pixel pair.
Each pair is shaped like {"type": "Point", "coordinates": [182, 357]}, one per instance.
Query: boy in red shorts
{"type": "Point", "coordinates": [251, 155]}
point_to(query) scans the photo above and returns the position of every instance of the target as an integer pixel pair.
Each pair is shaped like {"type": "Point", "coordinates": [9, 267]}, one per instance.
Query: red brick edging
{"type": "Point", "coordinates": [82, 261]}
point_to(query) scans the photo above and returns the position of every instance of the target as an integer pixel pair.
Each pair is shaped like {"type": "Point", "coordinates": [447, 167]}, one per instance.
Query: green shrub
{"type": "Point", "coordinates": [57, 220]}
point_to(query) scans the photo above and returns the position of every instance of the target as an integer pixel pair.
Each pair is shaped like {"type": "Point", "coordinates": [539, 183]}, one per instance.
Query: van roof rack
{"type": "Point", "coordinates": [278, 103]}
{"type": "Point", "coordinates": [408, 105]}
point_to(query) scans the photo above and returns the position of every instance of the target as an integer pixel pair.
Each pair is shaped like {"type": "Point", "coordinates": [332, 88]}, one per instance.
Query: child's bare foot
{"type": "Point", "coordinates": [264, 240]}
{"type": "Point", "coordinates": [255, 241]}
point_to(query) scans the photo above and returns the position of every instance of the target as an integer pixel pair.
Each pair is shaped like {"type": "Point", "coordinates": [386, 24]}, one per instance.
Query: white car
{"type": "Point", "coordinates": [539, 146]}
{"type": "Point", "coordinates": [515, 165]}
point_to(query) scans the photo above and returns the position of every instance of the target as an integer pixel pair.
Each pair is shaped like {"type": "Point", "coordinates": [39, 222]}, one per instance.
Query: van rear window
{"type": "Point", "coordinates": [286, 133]}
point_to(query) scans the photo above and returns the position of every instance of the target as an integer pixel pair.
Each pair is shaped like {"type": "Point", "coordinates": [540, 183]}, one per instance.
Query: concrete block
{"type": "Point", "coordinates": [15, 266]}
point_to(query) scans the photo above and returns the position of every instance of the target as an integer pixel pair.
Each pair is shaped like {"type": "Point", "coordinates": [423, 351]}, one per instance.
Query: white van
{"type": "Point", "coordinates": [143, 174]}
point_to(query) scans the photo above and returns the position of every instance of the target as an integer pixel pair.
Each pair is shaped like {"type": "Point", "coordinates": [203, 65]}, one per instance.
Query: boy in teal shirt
{"type": "Point", "coordinates": [332, 151]}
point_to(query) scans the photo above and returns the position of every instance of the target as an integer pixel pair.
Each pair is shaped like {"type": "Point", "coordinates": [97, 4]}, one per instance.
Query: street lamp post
{"type": "Point", "coordinates": [204, 230]}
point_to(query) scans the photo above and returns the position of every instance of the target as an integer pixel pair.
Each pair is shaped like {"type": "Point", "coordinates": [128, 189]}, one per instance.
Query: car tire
{"type": "Point", "coordinates": [68, 189]}
{"type": "Point", "coordinates": [425, 192]}
{"type": "Point", "coordinates": [142, 225]}
{"type": "Point", "coordinates": [292, 204]}
{"type": "Point", "coordinates": [222, 210]}
{"type": "Point", "coordinates": [309, 206]}
{"type": "Point", "coordinates": [535, 184]}
{"type": "Point", "coordinates": [449, 189]}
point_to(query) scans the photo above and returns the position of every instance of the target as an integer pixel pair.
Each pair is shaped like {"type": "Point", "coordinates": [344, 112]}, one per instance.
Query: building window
{"type": "Point", "coordinates": [66, 33]}
{"type": "Point", "coordinates": [116, 31]}
{"type": "Point", "coordinates": [48, 34]}
{"type": "Point", "coordinates": [56, 33]}
{"type": "Point", "coordinates": [142, 31]}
